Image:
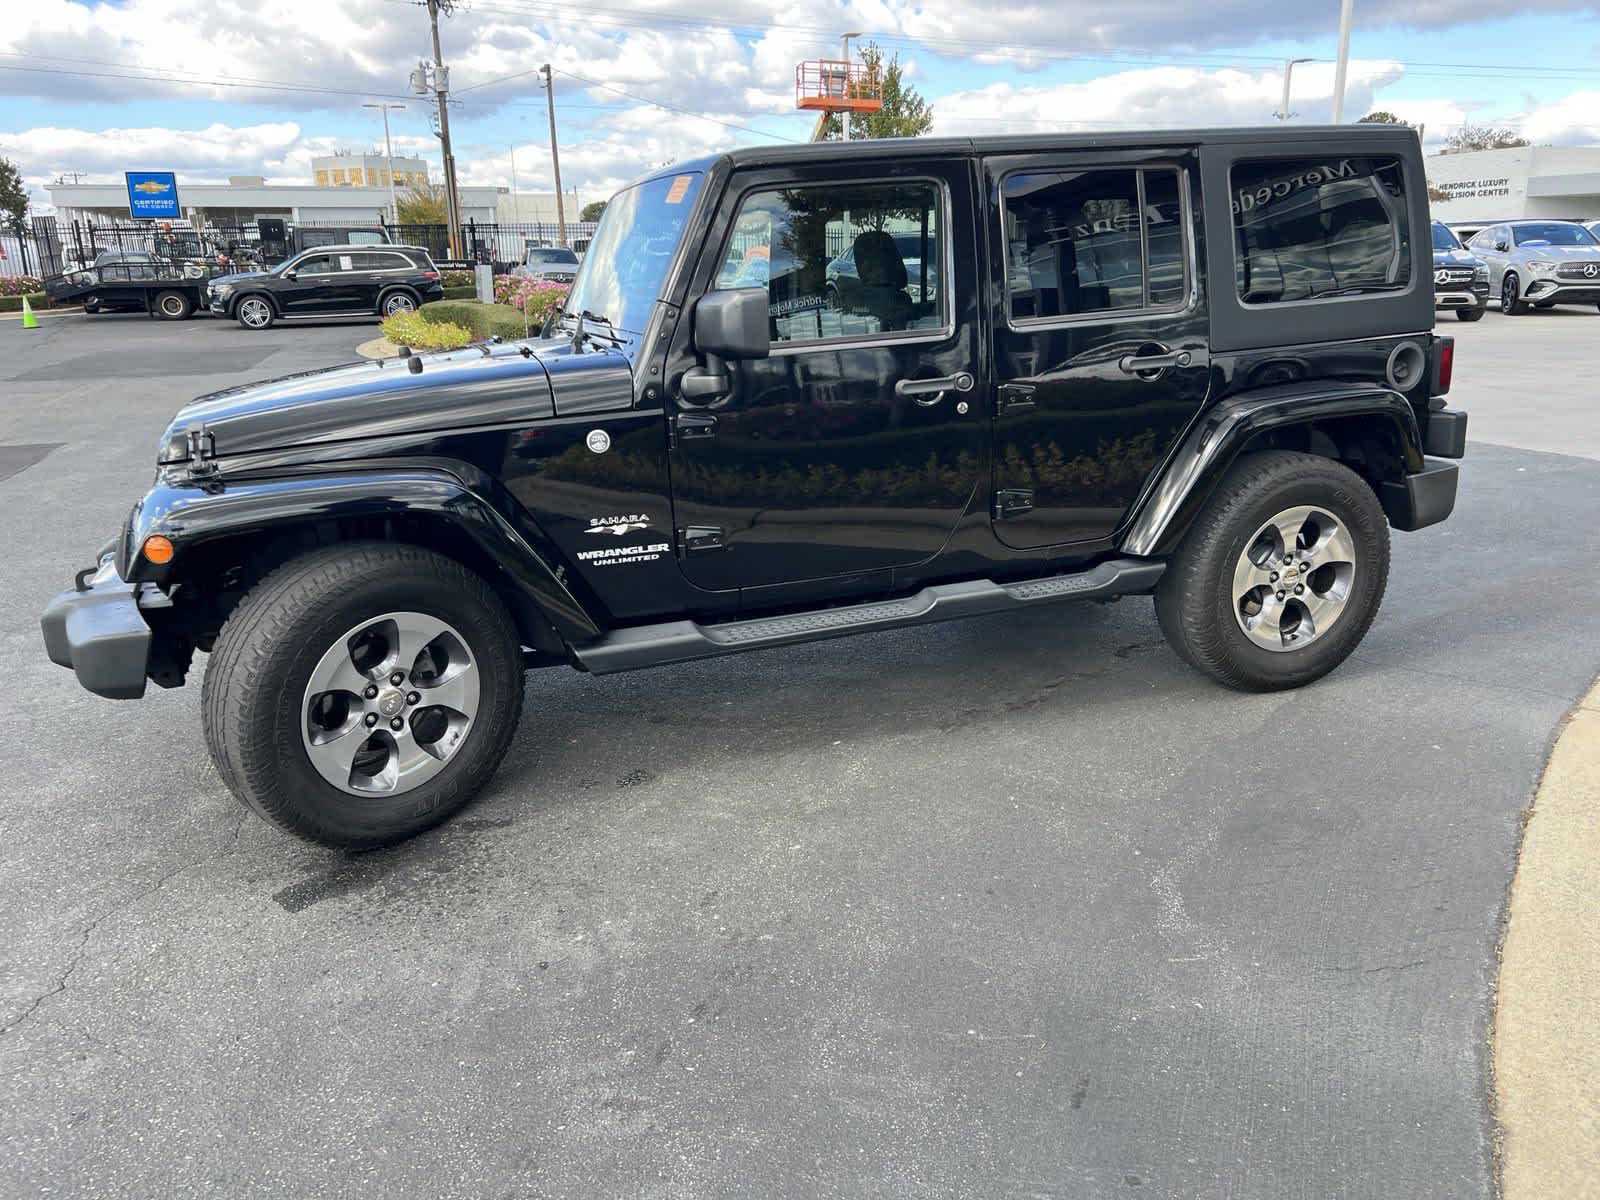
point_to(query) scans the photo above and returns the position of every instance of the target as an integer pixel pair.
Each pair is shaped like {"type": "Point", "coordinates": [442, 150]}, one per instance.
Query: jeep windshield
{"type": "Point", "coordinates": [626, 265]}
{"type": "Point", "coordinates": [1553, 233]}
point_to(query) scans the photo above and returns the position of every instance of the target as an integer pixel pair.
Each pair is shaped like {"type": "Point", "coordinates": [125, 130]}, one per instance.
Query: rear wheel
{"type": "Point", "coordinates": [1511, 302]}
{"type": "Point", "coordinates": [1469, 314]}
{"type": "Point", "coordinates": [173, 306]}
{"type": "Point", "coordinates": [397, 302]}
{"type": "Point", "coordinates": [255, 312]}
{"type": "Point", "coordinates": [363, 693]}
{"type": "Point", "coordinates": [1281, 574]}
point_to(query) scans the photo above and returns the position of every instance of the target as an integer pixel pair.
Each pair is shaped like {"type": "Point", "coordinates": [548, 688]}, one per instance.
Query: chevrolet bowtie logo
{"type": "Point", "coordinates": [151, 187]}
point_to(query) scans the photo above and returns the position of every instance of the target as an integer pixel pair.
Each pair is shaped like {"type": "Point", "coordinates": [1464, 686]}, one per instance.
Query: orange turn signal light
{"type": "Point", "coordinates": [158, 549]}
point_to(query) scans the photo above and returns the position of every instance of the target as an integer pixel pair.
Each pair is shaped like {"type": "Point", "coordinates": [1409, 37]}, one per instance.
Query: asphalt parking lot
{"type": "Point", "coordinates": [1006, 907]}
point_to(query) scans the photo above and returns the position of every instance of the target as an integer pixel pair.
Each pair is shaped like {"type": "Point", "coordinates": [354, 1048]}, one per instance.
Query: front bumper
{"type": "Point", "coordinates": [1554, 291]}
{"type": "Point", "coordinates": [99, 631]}
{"type": "Point", "coordinates": [1473, 296]}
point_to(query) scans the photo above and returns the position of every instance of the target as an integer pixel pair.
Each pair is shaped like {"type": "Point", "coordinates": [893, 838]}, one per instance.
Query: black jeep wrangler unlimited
{"type": "Point", "coordinates": [1192, 364]}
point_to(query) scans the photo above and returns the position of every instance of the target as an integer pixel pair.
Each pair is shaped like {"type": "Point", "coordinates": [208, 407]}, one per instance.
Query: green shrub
{"type": "Point", "coordinates": [461, 293]}
{"type": "Point", "coordinates": [412, 329]}
{"type": "Point", "coordinates": [485, 320]}
{"type": "Point", "coordinates": [456, 279]}
{"type": "Point", "coordinates": [35, 300]}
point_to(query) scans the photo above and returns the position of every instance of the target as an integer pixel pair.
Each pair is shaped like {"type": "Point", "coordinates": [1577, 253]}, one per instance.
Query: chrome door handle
{"type": "Point", "coordinates": [928, 392]}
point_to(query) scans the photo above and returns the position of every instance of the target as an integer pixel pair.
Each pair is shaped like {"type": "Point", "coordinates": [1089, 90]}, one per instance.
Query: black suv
{"type": "Point", "coordinates": [1460, 279]}
{"type": "Point", "coordinates": [329, 281]}
{"type": "Point", "coordinates": [1195, 365]}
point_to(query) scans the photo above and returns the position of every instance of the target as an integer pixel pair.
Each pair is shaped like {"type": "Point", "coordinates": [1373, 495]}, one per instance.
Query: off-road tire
{"type": "Point", "coordinates": [253, 697]}
{"type": "Point", "coordinates": [1469, 314]}
{"type": "Point", "coordinates": [1195, 604]}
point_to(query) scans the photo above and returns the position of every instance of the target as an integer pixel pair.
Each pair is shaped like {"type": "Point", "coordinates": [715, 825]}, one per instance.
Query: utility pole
{"type": "Point", "coordinates": [513, 149]}
{"type": "Point", "coordinates": [555, 155]}
{"type": "Point", "coordinates": [441, 87]}
{"type": "Point", "coordinates": [844, 45]}
{"type": "Point", "coordinates": [1283, 113]}
{"type": "Point", "coordinates": [388, 153]}
{"type": "Point", "coordinates": [1345, 13]}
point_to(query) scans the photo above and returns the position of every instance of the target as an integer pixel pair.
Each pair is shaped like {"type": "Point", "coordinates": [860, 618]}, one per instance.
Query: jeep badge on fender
{"type": "Point", "coordinates": [800, 392]}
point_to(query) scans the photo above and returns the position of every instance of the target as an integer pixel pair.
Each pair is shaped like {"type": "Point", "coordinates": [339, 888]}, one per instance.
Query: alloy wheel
{"type": "Point", "coordinates": [398, 303]}
{"type": "Point", "coordinates": [1293, 578]}
{"type": "Point", "coordinates": [1508, 294]}
{"type": "Point", "coordinates": [390, 703]}
{"type": "Point", "coordinates": [255, 312]}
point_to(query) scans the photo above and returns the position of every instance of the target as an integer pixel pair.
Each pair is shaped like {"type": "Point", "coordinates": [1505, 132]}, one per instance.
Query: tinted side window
{"type": "Point", "coordinates": [841, 260]}
{"type": "Point", "coordinates": [1306, 229]}
{"type": "Point", "coordinates": [317, 264]}
{"type": "Point", "coordinates": [1076, 242]}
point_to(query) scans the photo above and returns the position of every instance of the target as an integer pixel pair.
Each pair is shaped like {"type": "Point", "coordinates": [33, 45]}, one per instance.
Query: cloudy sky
{"type": "Point", "coordinates": [211, 88]}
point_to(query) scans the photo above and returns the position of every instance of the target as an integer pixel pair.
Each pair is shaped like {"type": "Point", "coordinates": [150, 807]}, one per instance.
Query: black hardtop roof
{"type": "Point", "coordinates": [1280, 137]}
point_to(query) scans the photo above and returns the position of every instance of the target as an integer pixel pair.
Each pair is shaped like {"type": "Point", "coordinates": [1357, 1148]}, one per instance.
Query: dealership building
{"type": "Point", "coordinates": [1522, 181]}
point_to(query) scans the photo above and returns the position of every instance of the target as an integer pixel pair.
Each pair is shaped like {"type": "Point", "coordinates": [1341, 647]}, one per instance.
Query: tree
{"type": "Point", "coordinates": [1437, 195]}
{"type": "Point", "coordinates": [1381, 117]}
{"type": "Point", "coordinates": [904, 114]}
{"type": "Point", "coordinates": [13, 197]}
{"type": "Point", "coordinates": [591, 212]}
{"type": "Point", "coordinates": [422, 204]}
{"type": "Point", "coordinates": [1482, 137]}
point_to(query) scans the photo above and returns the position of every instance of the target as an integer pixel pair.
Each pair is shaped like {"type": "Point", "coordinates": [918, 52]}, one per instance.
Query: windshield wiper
{"type": "Point", "coordinates": [579, 334]}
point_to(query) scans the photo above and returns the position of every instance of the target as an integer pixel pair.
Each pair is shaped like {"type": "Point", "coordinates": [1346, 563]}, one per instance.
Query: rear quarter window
{"type": "Point", "coordinates": [1319, 228]}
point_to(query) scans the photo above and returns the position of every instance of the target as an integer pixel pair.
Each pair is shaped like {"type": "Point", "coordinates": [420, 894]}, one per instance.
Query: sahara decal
{"type": "Point", "coordinates": [617, 526]}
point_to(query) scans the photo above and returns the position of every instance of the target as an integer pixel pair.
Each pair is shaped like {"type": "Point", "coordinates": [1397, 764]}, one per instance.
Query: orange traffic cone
{"type": "Point", "coordinates": [29, 321]}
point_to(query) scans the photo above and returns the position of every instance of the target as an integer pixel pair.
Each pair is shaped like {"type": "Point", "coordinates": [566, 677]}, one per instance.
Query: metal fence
{"type": "Point", "coordinates": [51, 246]}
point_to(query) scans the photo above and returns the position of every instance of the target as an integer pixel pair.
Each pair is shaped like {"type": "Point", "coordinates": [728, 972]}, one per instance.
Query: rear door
{"type": "Point", "coordinates": [1101, 339]}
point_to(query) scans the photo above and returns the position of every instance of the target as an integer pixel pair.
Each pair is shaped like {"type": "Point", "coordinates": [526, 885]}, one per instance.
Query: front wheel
{"type": "Point", "coordinates": [1469, 314]}
{"type": "Point", "coordinates": [255, 312]}
{"type": "Point", "coordinates": [1280, 575]}
{"type": "Point", "coordinates": [1511, 296]}
{"type": "Point", "coordinates": [363, 693]}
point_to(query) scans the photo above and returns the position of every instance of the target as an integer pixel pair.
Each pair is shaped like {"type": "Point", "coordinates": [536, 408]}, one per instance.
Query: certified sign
{"type": "Point", "coordinates": [153, 195]}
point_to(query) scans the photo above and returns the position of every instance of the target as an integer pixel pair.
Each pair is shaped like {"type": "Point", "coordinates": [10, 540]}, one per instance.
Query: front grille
{"type": "Point", "coordinates": [1463, 275]}
{"type": "Point", "coordinates": [1588, 272]}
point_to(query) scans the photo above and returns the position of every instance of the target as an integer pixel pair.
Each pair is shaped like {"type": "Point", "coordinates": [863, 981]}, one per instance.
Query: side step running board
{"type": "Point", "coordinates": [681, 641]}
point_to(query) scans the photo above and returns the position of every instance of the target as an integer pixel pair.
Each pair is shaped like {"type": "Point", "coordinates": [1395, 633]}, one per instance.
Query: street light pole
{"type": "Point", "coordinates": [844, 117]}
{"type": "Point", "coordinates": [388, 154]}
{"type": "Point", "coordinates": [1283, 113]}
{"type": "Point", "coordinates": [1345, 14]}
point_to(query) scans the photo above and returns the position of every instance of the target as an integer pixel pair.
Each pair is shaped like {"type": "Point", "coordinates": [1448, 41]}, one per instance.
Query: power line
{"type": "Point", "coordinates": [250, 85]}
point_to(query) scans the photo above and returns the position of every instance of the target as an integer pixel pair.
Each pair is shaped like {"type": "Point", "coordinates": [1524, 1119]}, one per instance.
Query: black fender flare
{"type": "Point", "coordinates": [1220, 434]}
{"type": "Point", "coordinates": [197, 514]}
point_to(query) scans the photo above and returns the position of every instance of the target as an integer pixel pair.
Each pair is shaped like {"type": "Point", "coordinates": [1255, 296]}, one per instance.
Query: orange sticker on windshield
{"type": "Point", "coordinates": [679, 189]}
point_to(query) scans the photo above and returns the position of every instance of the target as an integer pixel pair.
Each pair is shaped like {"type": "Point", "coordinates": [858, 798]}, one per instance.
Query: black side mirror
{"type": "Point", "coordinates": [1502, 247]}
{"type": "Point", "coordinates": [733, 324]}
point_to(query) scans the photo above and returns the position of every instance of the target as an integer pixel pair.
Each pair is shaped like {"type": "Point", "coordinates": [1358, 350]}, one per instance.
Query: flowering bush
{"type": "Point", "coordinates": [537, 300]}
{"type": "Point", "coordinates": [414, 330]}
{"type": "Point", "coordinates": [456, 279]}
{"type": "Point", "coordinates": [20, 285]}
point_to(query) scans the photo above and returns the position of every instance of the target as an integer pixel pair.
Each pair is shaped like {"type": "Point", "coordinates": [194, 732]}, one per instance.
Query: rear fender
{"type": "Point", "coordinates": [1227, 430]}
{"type": "Point", "coordinates": [201, 520]}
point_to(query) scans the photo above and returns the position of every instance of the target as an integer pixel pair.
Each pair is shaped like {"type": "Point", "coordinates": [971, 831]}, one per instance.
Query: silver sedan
{"type": "Point", "coordinates": [1540, 263]}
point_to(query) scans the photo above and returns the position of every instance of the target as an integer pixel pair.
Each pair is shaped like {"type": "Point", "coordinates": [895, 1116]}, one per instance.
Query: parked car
{"type": "Point", "coordinates": [549, 264]}
{"type": "Point", "coordinates": [132, 281]}
{"type": "Point", "coordinates": [844, 273]}
{"type": "Point", "coordinates": [329, 281]}
{"type": "Point", "coordinates": [373, 554]}
{"type": "Point", "coordinates": [1540, 263]}
{"type": "Point", "coordinates": [1460, 281]}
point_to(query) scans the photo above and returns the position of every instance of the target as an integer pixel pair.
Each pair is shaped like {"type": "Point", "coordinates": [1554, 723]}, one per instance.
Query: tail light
{"type": "Point", "coordinates": [1444, 364]}
{"type": "Point", "coordinates": [430, 274]}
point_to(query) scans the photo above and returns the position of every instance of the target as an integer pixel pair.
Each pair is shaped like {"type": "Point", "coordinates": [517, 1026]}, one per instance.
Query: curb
{"type": "Point", "coordinates": [1547, 1019]}
{"type": "Point", "coordinates": [378, 348]}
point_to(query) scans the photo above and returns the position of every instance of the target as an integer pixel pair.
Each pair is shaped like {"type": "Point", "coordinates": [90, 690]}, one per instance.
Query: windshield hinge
{"type": "Point", "coordinates": [202, 452]}
{"type": "Point", "coordinates": [1012, 502]}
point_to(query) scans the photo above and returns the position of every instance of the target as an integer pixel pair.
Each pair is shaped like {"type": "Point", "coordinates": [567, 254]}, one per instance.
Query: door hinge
{"type": "Point", "coordinates": [1012, 502]}
{"type": "Point", "coordinates": [1014, 395]}
{"type": "Point", "coordinates": [695, 538]}
{"type": "Point", "coordinates": [687, 426]}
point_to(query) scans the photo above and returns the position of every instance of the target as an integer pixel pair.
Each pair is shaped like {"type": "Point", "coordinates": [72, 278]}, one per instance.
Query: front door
{"type": "Point", "coordinates": [1100, 335]}
{"type": "Point", "coordinates": [858, 444]}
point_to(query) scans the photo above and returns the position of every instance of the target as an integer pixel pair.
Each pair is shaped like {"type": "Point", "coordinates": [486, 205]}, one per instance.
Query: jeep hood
{"type": "Point", "coordinates": [497, 384]}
